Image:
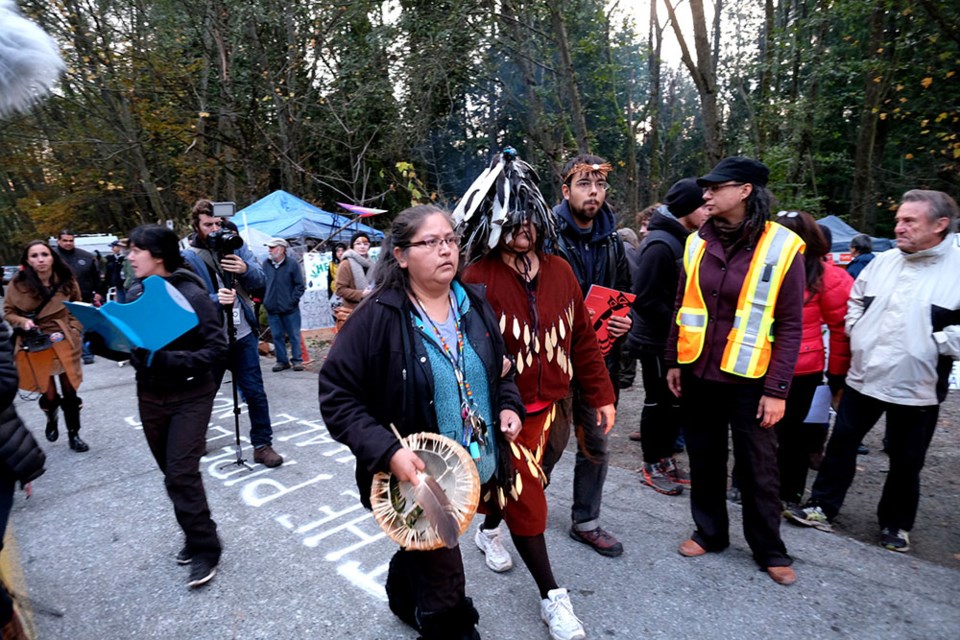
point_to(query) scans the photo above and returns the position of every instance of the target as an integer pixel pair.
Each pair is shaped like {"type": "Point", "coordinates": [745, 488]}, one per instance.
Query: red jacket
{"type": "Point", "coordinates": [826, 307]}
{"type": "Point", "coordinates": [557, 299]}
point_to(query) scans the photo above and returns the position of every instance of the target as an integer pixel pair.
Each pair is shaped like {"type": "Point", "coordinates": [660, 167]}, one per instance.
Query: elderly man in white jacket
{"type": "Point", "coordinates": [903, 319]}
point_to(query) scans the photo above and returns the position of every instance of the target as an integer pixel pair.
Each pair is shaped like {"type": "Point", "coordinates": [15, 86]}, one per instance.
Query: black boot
{"type": "Point", "coordinates": [457, 623]}
{"type": "Point", "coordinates": [52, 409]}
{"type": "Point", "coordinates": [71, 416]}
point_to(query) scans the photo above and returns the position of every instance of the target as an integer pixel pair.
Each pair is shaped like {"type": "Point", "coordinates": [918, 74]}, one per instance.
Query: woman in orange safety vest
{"type": "Point", "coordinates": [731, 356]}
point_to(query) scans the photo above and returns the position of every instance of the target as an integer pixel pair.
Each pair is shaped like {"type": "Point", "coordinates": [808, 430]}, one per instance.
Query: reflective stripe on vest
{"type": "Point", "coordinates": [748, 348]}
{"type": "Point", "coordinates": [692, 317]}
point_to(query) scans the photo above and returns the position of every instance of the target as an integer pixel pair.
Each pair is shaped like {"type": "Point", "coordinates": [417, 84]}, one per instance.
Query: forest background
{"type": "Point", "coordinates": [850, 102]}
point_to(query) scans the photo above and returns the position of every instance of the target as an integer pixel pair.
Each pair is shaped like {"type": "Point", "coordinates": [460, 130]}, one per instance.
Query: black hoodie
{"type": "Point", "coordinates": [659, 261]}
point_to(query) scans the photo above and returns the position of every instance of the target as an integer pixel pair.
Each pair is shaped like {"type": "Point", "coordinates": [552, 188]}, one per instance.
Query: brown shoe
{"type": "Point", "coordinates": [635, 436]}
{"type": "Point", "coordinates": [690, 549]}
{"type": "Point", "coordinates": [267, 457]}
{"type": "Point", "coordinates": [782, 575]}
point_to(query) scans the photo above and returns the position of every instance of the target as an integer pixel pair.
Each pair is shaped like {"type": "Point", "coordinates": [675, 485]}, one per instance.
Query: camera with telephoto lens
{"type": "Point", "coordinates": [224, 242]}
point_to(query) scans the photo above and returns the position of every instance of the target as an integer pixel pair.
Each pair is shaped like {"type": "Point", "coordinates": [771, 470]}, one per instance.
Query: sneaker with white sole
{"type": "Point", "coordinates": [491, 544]}
{"type": "Point", "coordinates": [184, 556]}
{"type": "Point", "coordinates": [809, 516]}
{"type": "Point", "coordinates": [557, 613]}
{"type": "Point", "coordinates": [895, 539]}
{"type": "Point", "coordinates": [201, 572]}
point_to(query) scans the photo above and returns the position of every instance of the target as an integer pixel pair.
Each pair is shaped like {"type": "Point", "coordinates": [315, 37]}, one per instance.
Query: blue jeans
{"type": "Point", "coordinates": [244, 361]}
{"type": "Point", "coordinates": [286, 325]}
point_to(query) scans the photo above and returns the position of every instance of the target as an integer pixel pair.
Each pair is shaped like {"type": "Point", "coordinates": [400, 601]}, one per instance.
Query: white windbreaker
{"type": "Point", "coordinates": [903, 319]}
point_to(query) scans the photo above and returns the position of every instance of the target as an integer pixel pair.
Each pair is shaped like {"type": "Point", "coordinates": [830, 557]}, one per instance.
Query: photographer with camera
{"type": "Point", "coordinates": [48, 337]}
{"type": "Point", "coordinates": [230, 272]}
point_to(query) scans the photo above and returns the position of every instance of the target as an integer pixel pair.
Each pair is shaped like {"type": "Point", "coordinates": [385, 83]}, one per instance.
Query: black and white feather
{"type": "Point", "coordinates": [30, 61]}
{"type": "Point", "coordinates": [498, 201]}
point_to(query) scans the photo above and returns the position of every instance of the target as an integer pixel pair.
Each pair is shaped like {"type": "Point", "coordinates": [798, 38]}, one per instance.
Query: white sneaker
{"type": "Point", "coordinates": [557, 614]}
{"type": "Point", "coordinates": [489, 542]}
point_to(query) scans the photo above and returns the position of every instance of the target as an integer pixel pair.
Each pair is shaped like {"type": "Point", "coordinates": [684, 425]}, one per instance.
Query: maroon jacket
{"type": "Point", "coordinates": [721, 277]}
{"type": "Point", "coordinates": [557, 292]}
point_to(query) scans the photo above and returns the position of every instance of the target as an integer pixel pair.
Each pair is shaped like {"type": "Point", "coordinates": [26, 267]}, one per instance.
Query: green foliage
{"type": "Point", "coordinates": [166, 101]}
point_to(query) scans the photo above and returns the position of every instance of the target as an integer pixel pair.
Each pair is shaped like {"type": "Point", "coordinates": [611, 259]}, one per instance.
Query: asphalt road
{"type": "Point", "coordinates": [91, 553]}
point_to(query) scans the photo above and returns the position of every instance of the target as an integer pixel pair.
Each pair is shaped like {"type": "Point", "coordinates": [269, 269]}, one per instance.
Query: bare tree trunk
{"type": "Point", "coordinates": [863, 209]}
{"type": "Point", "coordinates": [533, 125]}
{"type": "Point", "coordinates": [766, 70]}
{"type": "Point", "coordinates": [569, 78]}
{"type": "Point", "coordinates": [655, 44]}
{"type": "Point", "coordinates": [804, 133]}
{"type": "Point", "coordinates": [704, 75]}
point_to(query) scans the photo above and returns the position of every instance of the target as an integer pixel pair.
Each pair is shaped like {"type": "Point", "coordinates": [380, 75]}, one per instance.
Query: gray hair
{"type": "Point", "coordinates": [861, 243]}
{"type": "Point", "coordinates": [939, 205]}
{"type": "Point", "coordinates": [629, 236]}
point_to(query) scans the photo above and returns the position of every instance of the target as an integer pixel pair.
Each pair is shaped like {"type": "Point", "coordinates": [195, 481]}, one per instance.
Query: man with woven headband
{"type": "Point", "coordinates": [587, 239]}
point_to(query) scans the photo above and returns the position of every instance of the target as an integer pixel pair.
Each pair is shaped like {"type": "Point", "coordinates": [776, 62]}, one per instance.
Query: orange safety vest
{"type": "Point", "coordinates": [748, 348]}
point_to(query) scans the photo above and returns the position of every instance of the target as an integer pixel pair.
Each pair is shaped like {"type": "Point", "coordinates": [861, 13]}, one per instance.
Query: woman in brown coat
{"type": "Point", "coordinates": [353, 282]}
{"type": "Point", "coordinates": [49, 340]}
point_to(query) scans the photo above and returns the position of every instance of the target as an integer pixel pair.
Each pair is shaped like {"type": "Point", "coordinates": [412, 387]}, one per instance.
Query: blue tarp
{"type": "Point", "coordinates": [843, 233]}
{"type": "Point", "coordinates": [282, 215]}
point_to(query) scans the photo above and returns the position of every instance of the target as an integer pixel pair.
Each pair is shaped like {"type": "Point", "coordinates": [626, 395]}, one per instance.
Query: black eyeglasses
{"type": "Point", "coordinates": [713, 188]}
{"type": "Point", "coordinates": [434, 243]}
{"type": "Point", "coordinates": [787, 214]}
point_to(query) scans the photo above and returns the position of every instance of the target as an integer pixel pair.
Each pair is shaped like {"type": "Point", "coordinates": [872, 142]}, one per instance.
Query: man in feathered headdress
{"type": "Point", "coordinates": [546, 328]}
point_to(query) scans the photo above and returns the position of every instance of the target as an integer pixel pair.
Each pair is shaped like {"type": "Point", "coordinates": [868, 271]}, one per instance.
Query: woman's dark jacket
{"type": "Point", "coordinates": [21, 458]}
{"type": "Point", "coordinates": [377, 374]}
{"type": "Point", "coordinates": [187, 362]}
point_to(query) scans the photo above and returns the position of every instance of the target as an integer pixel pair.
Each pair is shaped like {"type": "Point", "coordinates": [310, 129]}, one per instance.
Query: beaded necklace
{"type": "Point", "coordinates": [474, 426]}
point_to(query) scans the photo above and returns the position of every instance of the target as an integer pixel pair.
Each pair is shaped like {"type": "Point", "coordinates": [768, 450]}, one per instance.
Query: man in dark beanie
{"type": "Point", "coordinates": [659, 262]}
{"type": "Point", "coordinates": [84, 267]}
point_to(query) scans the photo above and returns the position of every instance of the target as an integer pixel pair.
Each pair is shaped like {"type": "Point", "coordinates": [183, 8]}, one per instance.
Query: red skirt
{"type": "Point", "coordinates": [525, 511]}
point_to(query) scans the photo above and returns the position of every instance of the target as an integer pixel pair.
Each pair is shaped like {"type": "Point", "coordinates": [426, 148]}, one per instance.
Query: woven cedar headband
{"type": "Point", "coordinates": [583, 167]}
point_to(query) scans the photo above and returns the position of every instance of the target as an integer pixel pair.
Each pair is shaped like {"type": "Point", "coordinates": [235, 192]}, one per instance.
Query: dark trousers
{"type": "Point", "coordinates": [243, 360]}
{"type": "Point", "coordinates": [175, 425]}
{"type": "Point", "coordinates": [660, 418]}
{"type": "Point", "coordinates": [909, 430]}
{"type": "Point", "coordinates": [592, 460]}
{"type": "Point", "coordinates": [709, 408]}
{"type": "Point", "coordinates": [426, 589]}
{"type": "Point", "coordinates": [797, 440]}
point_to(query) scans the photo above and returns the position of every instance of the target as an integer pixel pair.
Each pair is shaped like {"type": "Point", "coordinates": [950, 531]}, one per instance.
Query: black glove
{"type": "Point", "coordinates": [836, 381]}
{"type": "Point", "coordinates": [140, 359]}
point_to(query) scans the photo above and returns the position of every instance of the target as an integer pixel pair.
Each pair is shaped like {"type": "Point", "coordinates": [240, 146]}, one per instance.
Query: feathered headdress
{"type": "Point", "coordinates": [497, 202]}
{"type": "Point", "coordinates": [30, 61]}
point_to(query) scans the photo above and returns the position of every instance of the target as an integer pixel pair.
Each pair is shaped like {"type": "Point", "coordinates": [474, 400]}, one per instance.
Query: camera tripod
{"type": "Point", "coordinates": [231, 343]}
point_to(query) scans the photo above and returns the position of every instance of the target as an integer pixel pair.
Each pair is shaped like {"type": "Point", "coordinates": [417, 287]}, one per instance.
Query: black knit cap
{"type": "Point", "coordinates": [737, 169]}
{"type": "Point", "coordinates": [684, 197]}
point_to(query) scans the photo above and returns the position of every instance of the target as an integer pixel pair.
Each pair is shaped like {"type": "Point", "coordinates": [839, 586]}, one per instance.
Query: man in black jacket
{"type": "Point", "coordinates": [282, 301]}
{"type": "Point", "coordinates": [587, 239]}
{"type": "Point", "coordinates": [113, 276]}
{"type": "Point", "coordinates": [84, 268]}
{"type": "Point", "coordinates": [655, 284]}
